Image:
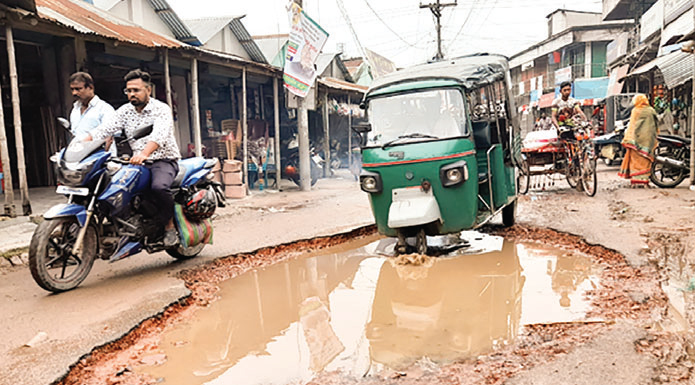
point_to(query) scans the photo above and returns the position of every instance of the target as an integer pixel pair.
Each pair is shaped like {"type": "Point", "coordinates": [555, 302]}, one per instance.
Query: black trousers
{"type": "Point", "coordinates": [163, 172]}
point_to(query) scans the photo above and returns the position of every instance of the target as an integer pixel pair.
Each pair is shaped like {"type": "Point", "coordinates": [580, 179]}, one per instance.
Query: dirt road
{"type": "Point", "coordinates": [651, 227]}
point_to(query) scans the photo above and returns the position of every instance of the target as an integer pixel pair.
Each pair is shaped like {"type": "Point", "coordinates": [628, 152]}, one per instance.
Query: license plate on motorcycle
{"type": "Point", "coordinates": [66, 190]}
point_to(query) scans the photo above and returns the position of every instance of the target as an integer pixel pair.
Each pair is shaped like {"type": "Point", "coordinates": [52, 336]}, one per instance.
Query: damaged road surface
{"type": "Point", "coordinates": [342, 310]}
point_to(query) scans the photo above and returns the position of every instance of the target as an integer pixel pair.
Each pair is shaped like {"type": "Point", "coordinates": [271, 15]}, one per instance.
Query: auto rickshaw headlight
{"type": "Point", "coordinates": [453, 174]}
{"type": "Point", "coordinates": [370, 182]}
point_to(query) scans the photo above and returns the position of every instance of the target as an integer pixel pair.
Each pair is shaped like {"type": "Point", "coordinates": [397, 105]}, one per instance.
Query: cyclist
{"type": "Point", "coordinates": [565, 109]}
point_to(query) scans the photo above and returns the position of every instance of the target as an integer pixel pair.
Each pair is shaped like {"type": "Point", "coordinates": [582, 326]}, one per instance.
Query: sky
{"type": "Point", "coordinates": [399, 29]}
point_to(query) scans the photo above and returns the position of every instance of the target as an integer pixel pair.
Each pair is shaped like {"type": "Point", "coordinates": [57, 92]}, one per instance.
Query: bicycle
{"type": "Point", "coordinates": [582, 159]}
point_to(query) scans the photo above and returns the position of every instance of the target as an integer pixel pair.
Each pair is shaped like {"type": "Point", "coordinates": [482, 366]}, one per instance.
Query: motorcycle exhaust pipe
{"type": "Point", "coordinates": [672, 162]}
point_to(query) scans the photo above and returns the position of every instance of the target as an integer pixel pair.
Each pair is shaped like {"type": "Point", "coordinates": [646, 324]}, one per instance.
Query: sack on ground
{"type": "Point", "coordinates": [192, 232]}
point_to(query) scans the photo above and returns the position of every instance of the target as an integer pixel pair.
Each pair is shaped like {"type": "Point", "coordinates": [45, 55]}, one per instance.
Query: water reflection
{"type": "Point", "coordinates": [447, 309]}
{"type": "Point", "coordinates": [356, 311]}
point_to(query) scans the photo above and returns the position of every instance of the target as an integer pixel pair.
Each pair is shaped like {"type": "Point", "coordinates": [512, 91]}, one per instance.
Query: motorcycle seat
{"type": "Point", "coordinates": [179, 176]}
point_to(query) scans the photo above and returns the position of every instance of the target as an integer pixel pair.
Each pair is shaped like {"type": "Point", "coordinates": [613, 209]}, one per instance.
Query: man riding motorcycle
{"type": "Point", "coordinates": [159, 148]}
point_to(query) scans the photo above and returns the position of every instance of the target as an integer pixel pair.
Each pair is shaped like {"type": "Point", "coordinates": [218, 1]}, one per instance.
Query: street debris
{"type": "Point", "coordinates": [37, 339]}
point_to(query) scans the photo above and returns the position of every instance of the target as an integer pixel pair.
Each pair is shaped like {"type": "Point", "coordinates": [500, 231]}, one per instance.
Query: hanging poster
{"type": "Point", "coordinates": [306, 41]}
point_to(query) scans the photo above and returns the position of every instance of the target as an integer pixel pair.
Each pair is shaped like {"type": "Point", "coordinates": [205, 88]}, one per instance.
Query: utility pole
{"type": "Point", "coordinates": [436, 9]}
{"type": "Point", "coordinates": [303, 139]}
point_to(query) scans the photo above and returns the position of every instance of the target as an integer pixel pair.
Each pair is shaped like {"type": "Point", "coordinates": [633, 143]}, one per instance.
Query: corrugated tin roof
{"type": "Point", "coordinates": [341, 85]}
{"type": "Point", "coordinates": [676, 68]}
{"type": "Point", "coordinates": [172, 20]}
{"type": "Point", "coordinates": [246, 41]}
{"type": "Point", "coordinates": [206, 28]}
{"type": "Point", "coordinates": [88, 19]}
{"type": "Point", "coordinates": [227, 56]}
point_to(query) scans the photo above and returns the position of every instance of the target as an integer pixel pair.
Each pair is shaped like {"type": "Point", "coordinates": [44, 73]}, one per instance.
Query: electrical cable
{"type": "Point", "coordinates": [386, 25]}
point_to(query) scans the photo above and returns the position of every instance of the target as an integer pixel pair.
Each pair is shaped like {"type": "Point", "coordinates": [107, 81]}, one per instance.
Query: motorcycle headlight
{"type": "Point", "coordinates": [73, 173]}
{"type": "Point", "coordinates": [370, 182]}
{"type": "Point", "coordinates": [453, 174]}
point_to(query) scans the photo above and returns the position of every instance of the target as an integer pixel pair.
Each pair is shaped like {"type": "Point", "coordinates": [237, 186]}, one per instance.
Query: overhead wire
{"type": "Point", "coordinates": [387, 26]}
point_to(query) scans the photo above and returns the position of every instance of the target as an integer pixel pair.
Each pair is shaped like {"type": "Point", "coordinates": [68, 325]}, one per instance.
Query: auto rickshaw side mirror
{"type": "Point", "coordinates": [362, 128]}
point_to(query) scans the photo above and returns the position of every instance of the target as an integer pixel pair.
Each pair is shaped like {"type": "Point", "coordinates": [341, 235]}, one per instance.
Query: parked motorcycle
{"type": "Point", "coordinates": [290, 161]}
{"type": "Point", "coordinates": [107, 215]}
{"type": "Point", "coordinates": [671, 161]}
{"type": "Point", "coordinates": [609, 146]}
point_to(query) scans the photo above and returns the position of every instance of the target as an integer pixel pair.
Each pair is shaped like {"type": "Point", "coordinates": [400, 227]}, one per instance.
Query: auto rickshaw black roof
{"type": "Point", "coordinates": [471, 71]}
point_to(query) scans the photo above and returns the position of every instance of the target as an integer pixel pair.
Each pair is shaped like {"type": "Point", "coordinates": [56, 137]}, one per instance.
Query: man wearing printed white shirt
{"type": "Point", "coordinates": [159, 147]}
{"type": "Point", "coordinates": [88, 111]}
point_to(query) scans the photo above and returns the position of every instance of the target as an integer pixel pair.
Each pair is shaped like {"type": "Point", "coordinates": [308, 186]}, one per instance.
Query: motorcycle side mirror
{"type": "Point", "coordinates": [142, 132]}
{"type": "Point", "coordinates": [64, 123]}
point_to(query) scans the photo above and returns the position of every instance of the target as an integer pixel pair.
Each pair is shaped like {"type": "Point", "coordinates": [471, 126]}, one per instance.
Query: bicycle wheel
{"type": "Point", "coordinates": [589, 180]}
{"type": "Point", "coordinates": [573, 172]}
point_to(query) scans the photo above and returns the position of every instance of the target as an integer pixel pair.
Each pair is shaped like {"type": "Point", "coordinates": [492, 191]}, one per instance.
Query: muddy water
{"type": "Point", "coordinates": [358, 312]}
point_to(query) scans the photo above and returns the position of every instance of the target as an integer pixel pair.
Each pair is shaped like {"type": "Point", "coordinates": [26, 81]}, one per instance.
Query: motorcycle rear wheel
{"type": "Point", "coordinates": [664, 175]}
{"type": "Point", "coordinates": [186, 253]}
{"type": "Point", "coordinates": [52, 263]}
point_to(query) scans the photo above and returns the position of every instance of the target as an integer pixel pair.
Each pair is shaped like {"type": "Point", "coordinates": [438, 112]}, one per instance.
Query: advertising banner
{"type": "Point", "coordinates": [306, 40]}
{"type": "Point", "coordinates": [563, 75]}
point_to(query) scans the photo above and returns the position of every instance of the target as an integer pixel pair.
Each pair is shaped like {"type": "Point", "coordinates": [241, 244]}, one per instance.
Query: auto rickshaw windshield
{"type": "Point", "coordinates": [422, 115]}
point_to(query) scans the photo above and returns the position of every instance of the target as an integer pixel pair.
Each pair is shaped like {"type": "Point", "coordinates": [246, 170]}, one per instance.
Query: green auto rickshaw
{"type": "Point", "coordinates": [441, 150]}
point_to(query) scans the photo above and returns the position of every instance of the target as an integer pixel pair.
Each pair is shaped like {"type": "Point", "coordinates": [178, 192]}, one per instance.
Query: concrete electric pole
{"type": "Point", "coordinates": [436, 9]}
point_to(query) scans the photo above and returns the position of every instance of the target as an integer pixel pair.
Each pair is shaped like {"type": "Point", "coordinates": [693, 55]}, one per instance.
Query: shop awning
{"type": "Point", "coordinates": [676, 68]}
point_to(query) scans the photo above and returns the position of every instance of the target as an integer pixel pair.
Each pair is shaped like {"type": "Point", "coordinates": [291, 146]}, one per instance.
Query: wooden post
{"type": "Point", "coordinates": [6, 166]}
{"type": "Point", "coordinates": [349, 134]}
{"type": "Point", "coordinates": [16, 112]}
{"type": "Point", "coordinates": [692, 126]}
{"type": "Point", "coordinates": [167, 80]}
{"type": "Point", "coordinates": [326, 138]}
{"type": "Point", "coordinates": [276, 121]}
{"type": "Point", "coordinates": [245, 128]}
{"type": "Point", "coordinates": [198, 141]}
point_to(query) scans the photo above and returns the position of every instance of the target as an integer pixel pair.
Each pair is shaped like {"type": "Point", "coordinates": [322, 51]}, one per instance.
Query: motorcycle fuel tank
{"type": "Point", "coordinates": [127, 182]}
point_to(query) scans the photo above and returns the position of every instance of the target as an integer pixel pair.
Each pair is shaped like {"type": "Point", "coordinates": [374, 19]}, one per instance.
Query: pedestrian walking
{"type": "Point", "coordinates": [89, 111]}
{"type": "Point", "coordinates": [639, 142]}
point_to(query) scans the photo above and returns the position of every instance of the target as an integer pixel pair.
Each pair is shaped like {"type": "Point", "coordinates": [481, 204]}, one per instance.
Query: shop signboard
{"type": "Point", "coordinates": [675, 8]}
{"type": "Point", "coordinates": [650, 22]}
{"type": "Point", "coordinates": [563, 75]}
{"type": "Point", "coordinates": [306, 40]}
{"type": "Point", "coordinates": [617, 48]}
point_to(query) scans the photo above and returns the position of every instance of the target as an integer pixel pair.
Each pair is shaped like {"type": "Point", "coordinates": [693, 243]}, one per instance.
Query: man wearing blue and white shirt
{"type": "Point", "coordinates": [159, 147]}
{"type": "Point", "coordinates": [88, 111]}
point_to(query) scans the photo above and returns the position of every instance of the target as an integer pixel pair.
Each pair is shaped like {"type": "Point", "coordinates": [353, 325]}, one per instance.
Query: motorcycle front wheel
{"type": "Point", "coordinates": [664, 175]}
{"type": "Point", "coordinates": [52, 263]}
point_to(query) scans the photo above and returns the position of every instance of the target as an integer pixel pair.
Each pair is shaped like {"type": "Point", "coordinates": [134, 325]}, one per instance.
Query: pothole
{"type": "Point", "coordinates": [349, 314]}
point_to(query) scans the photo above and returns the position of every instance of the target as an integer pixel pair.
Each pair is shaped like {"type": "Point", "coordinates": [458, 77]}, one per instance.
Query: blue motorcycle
{"type": "Point", "coordinates": [108, 215]}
